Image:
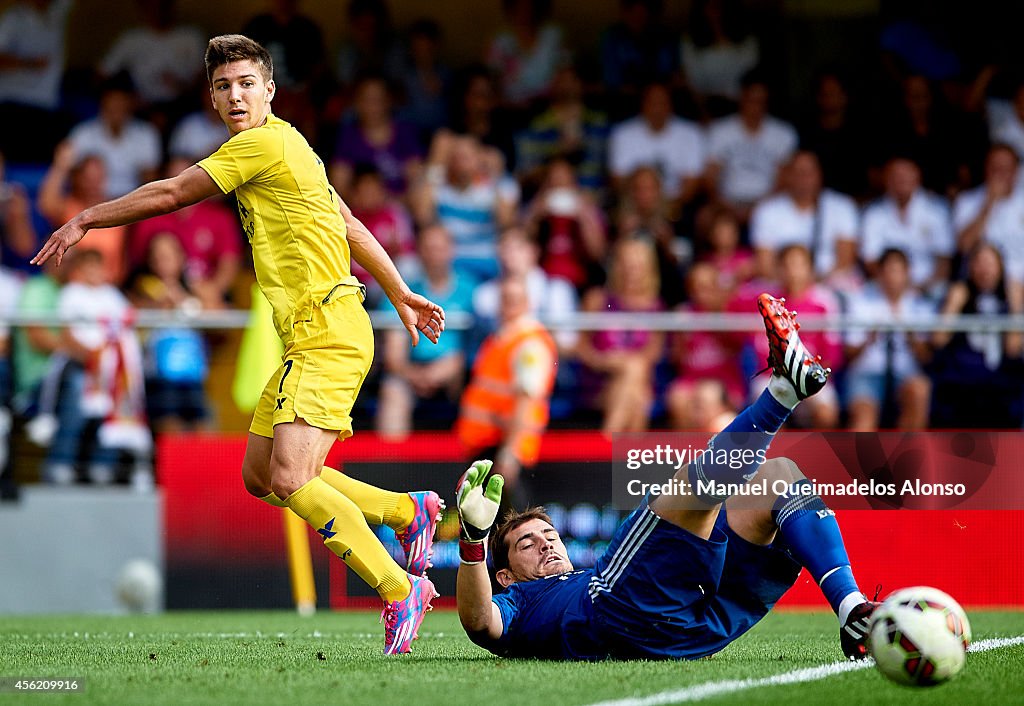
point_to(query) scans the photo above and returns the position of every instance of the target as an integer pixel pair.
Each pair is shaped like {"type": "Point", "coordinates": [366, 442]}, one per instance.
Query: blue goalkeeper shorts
{"type": "Point", "coordinates": [660, 592]}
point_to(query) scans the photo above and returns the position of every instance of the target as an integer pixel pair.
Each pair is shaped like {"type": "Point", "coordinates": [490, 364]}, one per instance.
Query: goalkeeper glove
{"type": "Point", "coordinates": [478, 509]}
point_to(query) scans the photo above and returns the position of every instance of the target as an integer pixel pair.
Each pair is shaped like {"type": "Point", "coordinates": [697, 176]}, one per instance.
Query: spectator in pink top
{"type": "Point", "coordinates": [209, 236]}
{"type": "Point", "coordinates": [804, 295]}
{"type": "Point", "coordinates": [703, 355]}
{"type": "Point", "coordinates": [720, 247]}
{"type": "Point", "coordinates": [625, 359]}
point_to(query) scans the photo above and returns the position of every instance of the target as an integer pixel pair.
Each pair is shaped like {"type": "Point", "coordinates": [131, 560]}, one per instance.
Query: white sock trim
{"type": "Point", "coordinates": [829, 573]}
{"type": "Point", "coordinates": [848, 604]}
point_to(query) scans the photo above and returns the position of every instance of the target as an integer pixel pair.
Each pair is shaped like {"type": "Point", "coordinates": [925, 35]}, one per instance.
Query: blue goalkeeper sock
{"type": "Point", "coordinates": [812, 535]}
{"type": "Point", "coordinates": [734, 455]}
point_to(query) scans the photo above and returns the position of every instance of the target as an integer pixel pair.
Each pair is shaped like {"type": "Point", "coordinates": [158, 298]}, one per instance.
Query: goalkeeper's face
{"type": "Point", "coordinates": [535, 551]}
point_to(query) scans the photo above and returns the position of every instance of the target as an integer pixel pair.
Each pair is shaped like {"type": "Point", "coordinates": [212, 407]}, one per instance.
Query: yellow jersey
{"type": "Point", "coordinates": [290, 214]}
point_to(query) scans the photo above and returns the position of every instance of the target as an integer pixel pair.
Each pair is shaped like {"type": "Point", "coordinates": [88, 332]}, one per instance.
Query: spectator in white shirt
{"type": "Point", "coordinates": [913, 220]}
{"type": "Point", "coordinates": [821, 220]}
{"type": "Point", "coordinates": [159, 55]}
{"type": "Point", "coordinates": [1008, 127]}
{"type": "Point", "coordinates": [198, 134]}
{"type": "Point", "coordinates": [886, 366]}
{"type": "Point", "coordinates": [745, 150]}
{"type": "Point", "coordinates": [32, 43]}
{"type": "Point", "coordinates": [551, 298]}
{"type": "Point", "coordinates": [994, 213]}
{"type": "Point", "coordinates": [657, 138]}
{"type": "Point", "coordinates": [716, 51]}
{"type": "Point", "coordinates": [129, 148]}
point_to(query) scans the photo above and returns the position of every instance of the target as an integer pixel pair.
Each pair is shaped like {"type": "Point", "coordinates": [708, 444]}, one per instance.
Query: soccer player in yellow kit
{"type": "Point", "coordinates": [301, 235]}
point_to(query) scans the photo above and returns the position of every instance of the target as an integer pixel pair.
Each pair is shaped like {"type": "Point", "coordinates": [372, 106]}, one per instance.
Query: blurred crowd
{"type": "Point", "coordinates": [664, 174]}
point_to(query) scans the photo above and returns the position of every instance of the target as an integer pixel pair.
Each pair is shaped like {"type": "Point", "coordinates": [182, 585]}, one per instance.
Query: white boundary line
{"type": "Point", "coordinates": [797, 676]}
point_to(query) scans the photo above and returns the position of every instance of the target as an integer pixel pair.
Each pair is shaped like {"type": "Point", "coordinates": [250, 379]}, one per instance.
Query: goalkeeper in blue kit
{"type": "Point", "coordinates": [684, 575]}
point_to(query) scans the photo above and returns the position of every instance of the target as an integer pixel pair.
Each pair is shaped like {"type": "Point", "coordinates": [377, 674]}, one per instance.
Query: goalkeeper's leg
{"type": "Point", "coordinates": [800, 524]}
{"type": "Point", "coordinates": [734, 456]}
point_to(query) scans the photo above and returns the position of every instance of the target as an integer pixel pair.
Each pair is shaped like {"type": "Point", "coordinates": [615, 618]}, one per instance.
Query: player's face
{"type": "Point", "coordinates": [241, 96]}
{"type": "Point", "coordinates": [536, 551]}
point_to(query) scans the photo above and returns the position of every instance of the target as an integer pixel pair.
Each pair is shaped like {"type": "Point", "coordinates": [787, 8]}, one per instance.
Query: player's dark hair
{"type": "Point", "coordinates": [237, 47]}
{"type": "Point", "coordinates": [512, 520]}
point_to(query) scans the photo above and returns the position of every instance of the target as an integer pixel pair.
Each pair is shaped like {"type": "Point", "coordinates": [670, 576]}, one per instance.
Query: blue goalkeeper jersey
{"type": "Point", "coordinates": [548, 618]}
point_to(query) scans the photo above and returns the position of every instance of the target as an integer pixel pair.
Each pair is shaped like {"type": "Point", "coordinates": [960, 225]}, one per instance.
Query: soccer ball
{"type": "Point", "coordinates": [139, 586]}
{"type": "Point", "coordinates": [919, 637]}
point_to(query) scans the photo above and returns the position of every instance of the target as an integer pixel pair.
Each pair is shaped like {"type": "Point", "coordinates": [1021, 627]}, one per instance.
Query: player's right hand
{"type": "Point", "coordinates": [420, 315]}
{"type": "Point", "coordinates": [478, 503]}
{"type": "Point", "coordinates": [57, 244]}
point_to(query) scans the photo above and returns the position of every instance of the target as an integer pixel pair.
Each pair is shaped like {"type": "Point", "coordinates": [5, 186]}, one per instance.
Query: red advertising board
{"type": "Point", "coordinates": [224, 548]}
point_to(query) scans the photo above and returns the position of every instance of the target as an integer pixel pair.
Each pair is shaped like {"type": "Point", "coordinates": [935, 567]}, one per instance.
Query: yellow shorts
{"type": "Point", "coordinates": [324, 367]}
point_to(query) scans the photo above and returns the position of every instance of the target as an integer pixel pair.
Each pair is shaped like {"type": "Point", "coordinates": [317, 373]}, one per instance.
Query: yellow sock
{"type": "Point", "coordinates": [271, 499]}
{"type": "Point", "coordinates": [379, 507]}
{"type": "Point", "coordinates": [344, 531]}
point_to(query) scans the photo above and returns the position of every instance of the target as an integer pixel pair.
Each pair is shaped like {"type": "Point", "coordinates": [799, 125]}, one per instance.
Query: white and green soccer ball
{"type": "Point", "coordinates": [919, 637]}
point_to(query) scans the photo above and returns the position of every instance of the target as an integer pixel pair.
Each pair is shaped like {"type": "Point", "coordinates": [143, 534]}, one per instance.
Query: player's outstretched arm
{"type": "Point", "coordinates": [478, 509]}
{"type": "Point", "coordinates": [418, 313]}
{"type": "Point", "coordinates": [153, 199]}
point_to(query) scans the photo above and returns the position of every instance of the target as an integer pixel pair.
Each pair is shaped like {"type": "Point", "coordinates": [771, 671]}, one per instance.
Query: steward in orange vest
{"type": "Point", "coordinates": [505, 404]}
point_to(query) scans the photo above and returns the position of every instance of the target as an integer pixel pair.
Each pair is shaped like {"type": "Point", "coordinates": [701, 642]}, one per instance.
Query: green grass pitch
{"type": "Point", "coordinates": [334, 658]}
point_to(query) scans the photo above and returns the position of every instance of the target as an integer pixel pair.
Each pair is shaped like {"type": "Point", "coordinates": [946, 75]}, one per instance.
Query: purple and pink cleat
{"type": "Point", "coordinates": [417, 539]}
{"type": "Point", "coordinates": [402, 619]}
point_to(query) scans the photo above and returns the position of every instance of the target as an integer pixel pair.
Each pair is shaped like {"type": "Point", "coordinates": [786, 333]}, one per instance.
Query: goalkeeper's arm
{"type": "Point", "coordinates": [477, 612]}
{"type": "Point", "coordinates": [478, 508]}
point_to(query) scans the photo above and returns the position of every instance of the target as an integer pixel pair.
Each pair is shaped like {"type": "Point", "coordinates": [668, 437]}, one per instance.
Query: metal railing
{"type": "Point", "coordinates": [593, 321]}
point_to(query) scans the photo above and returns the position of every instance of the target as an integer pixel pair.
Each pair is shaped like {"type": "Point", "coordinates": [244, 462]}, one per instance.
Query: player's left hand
{"type": "Point", "coordinates": [477, 501]}
{"type": "Point", "coordinates": [58, 243]}
{"type": "Point", "coordinates": [419, 314]}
